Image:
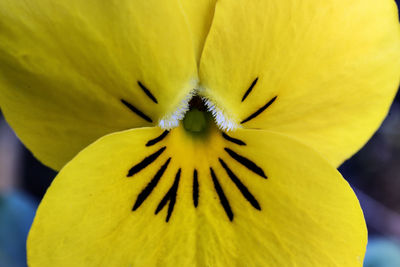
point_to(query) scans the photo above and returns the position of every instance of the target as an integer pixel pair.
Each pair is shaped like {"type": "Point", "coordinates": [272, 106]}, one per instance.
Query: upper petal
{"type": "Point", "coordinates": [72, 71]}
{"type": "Point", "coordinates": [324, 72]}
{"type": "Point", "coordinates": [147, 198]}
{"type": "Point", "coordinates": [199, 15]}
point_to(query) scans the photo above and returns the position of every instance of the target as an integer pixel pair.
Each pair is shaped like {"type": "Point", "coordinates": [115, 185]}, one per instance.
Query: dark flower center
{"type": "Point", "coordinates": [197, 120]}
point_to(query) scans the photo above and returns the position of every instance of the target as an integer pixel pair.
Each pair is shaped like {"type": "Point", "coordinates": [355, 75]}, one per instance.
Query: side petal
{"type": "Point", "coordinates": [150, 198]}
{"type": "Point", "coordinates": [324, 72]}
{"type": "Point", "coordinates": [73, 71]}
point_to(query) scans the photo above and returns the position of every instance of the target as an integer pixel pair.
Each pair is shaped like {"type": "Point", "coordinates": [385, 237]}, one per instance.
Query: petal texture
{"type": "Point", "coordinates": [199, 15]}
{"type": "Point", "coordinates": [72, 71]}
{"type": "Point", "coordinates": [324, 72]}
{"type": "Point", "coordinates": [150, 198]}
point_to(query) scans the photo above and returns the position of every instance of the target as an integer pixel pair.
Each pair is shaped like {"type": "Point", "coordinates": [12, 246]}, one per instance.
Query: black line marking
{"type": "Point", "coordinates": [246, 162]}
{"type": "Point", "coordinates": [173, 195]}
{"type": "Point", "coordinates": [233, 140]}
{"type": "Point", "coordinates": [157, 139]}
{"type": "Point", "coordinates": [250, 88]}
{"type": "Point", "coordinates": [163, 201]}
{"type": "Point", "coordinates": [136, 111]}
{"type": "Point", "coordinates": [170, 196]}
{"type": "Point", "coordinates": [150, 186]}
{"type": "Point", "coordinates": [258, 112]}
{"type": "Point", "coordinates": [243, 189]}
{"type": "Point", "coordinates": [222, 198]}
{"type": "Point", "coordinates": [147, 92]}
{"type": "Point", "coordinates": [195, 189]}
{"type": "Point", "coordinates": [145, 162]}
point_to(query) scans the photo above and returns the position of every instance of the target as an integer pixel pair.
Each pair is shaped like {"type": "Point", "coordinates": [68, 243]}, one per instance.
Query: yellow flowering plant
{"type": "Point", "coordinates": [197, 133]}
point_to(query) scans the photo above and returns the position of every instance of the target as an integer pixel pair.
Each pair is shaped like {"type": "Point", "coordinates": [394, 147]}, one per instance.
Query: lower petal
{"type": "Point", "coordinates": [145, 197]}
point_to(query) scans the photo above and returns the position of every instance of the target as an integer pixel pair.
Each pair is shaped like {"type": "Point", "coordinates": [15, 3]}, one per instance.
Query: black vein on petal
{"type": "Point", "coordinates": [170, 197]}
{"type": "Point", "coordinates": [136, 111]}
{"type": "Point", "coordinates": [145, 162]}
{"type": "Point", "coordinates": [150, 186]}
{"type": "Point", "coordinates": [147, 92]}
{"type": "Point", "coordinates": [224, 201]}
{"type": "Point", "coordinates": [250, 89]}
{"type": "Point", "coordinates": [259, 111]}
{"type": "Point", "coordinates": [154, 141]}
{"type": "Point", "coordinates": [195, 189]}
{"type": "Point", "coordinates": [233, 140]}
{"type": "Point", "coordinates": [242, 188]}
{"type": "Point", "coordinates": [246, 162]}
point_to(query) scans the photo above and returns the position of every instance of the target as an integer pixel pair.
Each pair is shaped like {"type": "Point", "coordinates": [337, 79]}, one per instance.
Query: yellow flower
{"type": "Point", "coordinates": [295, 88]}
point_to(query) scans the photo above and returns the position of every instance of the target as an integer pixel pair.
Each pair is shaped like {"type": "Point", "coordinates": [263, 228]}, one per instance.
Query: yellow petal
{"type": "Point", "coordinates": [65, 68]}
{"type": "Point", "coordinates": [333, 67]}
{"type": "Point", "coordinates": [147, 198]}
{"type": "Point", "coordinates": [199, 15]}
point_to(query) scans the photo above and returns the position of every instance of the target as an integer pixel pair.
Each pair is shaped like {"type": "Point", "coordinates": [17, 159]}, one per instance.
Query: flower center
{"type": "Point", "coordinates": [197, 120]}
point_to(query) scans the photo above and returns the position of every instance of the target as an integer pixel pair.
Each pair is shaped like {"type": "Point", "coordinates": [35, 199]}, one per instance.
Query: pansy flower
{"type": "Point", "coordinates": [197, 133]}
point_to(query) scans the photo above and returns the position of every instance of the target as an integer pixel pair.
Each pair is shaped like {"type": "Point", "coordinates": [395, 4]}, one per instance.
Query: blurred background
{"type": "Point", "coordinates": [374, 174]}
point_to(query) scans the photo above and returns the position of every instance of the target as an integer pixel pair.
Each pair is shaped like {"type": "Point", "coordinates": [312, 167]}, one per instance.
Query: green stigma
{"type": "Point", "coordinates": [195, 121]}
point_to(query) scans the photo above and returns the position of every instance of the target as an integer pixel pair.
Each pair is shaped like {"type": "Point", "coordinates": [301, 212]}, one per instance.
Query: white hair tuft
{"type": "Point", "coordinates": [223, 121]}
{"type": "Point", "coordinates": [172, 120]}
